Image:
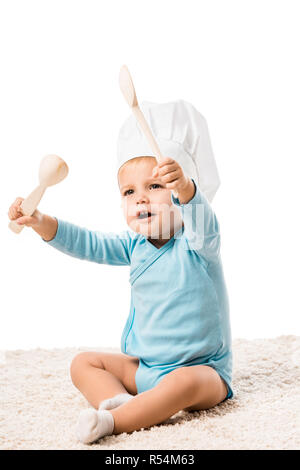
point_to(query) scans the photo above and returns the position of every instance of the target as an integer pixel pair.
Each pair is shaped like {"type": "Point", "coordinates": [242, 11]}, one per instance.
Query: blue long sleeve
{"type": "Point", "coordinates": [98, 247]}
{"type": "Point", "coordinates": [201, 227]}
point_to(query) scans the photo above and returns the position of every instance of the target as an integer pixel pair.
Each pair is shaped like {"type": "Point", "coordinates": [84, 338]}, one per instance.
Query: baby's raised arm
{"type": "Point", "coordinates": [201, 226]}
{"type": "Point", "coordinates": [44, 225]}
{"type": "Point", "coordinates": [100, 247]}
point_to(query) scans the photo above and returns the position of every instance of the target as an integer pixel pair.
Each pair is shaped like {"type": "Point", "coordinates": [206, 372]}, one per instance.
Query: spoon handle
{"type": "Point", "coordinates": [28, 206]}
{"type": "Point", "coordinates": [149, 135]}
{"type": "Point", "coordinates": [147, 131]}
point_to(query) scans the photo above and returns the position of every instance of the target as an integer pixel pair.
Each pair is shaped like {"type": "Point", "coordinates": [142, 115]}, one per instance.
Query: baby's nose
{"type": "Point", "coordinates": [142, 198]}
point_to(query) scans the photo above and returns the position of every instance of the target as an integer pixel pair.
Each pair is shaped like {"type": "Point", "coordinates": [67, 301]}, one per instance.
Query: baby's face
{"type": "Point", "coordinates": [146, 202]}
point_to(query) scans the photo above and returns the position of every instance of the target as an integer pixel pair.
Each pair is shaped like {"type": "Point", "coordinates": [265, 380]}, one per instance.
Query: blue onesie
{"type": "Point", "coordinates": [179, 310]}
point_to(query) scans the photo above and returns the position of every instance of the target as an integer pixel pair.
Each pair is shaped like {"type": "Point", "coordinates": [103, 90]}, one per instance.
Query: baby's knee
{"type": "Point", "coordinates": [79, 363]}
{"type": "Point", "coordinates": [76, 366]}
{"type": "Point", "coordinates": [182, 380]}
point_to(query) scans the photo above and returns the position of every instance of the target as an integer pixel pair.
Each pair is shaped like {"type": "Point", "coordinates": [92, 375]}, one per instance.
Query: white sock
{"type": "Point", "coordinates": [115, 401]}
{"type": "Point", "coordinates": [92, 425]}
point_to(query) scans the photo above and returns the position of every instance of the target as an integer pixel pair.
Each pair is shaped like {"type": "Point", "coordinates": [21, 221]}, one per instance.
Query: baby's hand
{"type": "Point", "coordinates": [15, 213]}
{"type": "Point", "coordinates": [172, 175]}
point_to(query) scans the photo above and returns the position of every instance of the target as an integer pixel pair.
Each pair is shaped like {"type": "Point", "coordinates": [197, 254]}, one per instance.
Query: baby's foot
{"type": "Point", "coordinates": [94, 424]}
{"type": "Point", "coordinates": [115, 401]}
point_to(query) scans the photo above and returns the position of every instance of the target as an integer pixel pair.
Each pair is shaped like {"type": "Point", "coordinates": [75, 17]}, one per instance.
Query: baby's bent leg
{"type": "Point", "coordinates": [100, 376]}
{"type": "Point", "coordinates": [193, 387]}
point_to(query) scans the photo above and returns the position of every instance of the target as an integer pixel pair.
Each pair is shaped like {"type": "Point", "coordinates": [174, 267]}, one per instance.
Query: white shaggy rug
{"type": "Point", "coordinates": [40, 405]}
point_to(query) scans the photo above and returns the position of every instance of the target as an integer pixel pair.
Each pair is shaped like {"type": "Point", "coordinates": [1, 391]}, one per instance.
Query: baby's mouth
{"type": "Point", "coordinates": [145, 215]}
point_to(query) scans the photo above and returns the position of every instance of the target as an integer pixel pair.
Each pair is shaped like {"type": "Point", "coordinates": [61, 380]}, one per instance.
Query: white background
{"type": "Point", "coordinates": [237, 62]}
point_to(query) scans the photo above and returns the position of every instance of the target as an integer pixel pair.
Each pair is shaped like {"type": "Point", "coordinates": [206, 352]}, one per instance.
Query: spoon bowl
{"type": "Point", "coordinates": [127, 87]}
{"type": "Point", "coordinates": [53, 169]}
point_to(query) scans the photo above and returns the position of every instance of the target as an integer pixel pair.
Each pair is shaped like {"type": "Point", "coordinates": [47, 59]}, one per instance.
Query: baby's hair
{"type": "Point", "coordinates": [134, 161]}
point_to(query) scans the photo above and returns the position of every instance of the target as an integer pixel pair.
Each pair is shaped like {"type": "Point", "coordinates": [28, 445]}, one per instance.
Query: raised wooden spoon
{"type": "Point", "coordinates": [127, 88]}
{"type": "Point", "coordinates": [53, 169]}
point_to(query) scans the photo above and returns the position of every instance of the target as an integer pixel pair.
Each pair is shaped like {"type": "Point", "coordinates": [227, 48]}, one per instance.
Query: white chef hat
{"type": "Point", "coordinates": [181, 133]}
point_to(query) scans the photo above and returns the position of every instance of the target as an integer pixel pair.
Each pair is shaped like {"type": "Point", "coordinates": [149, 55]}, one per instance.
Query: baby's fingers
{"type": "Point", "coordinates": [25, 220]}
{"type": "Point", "coordinates": [14, 211]}
{"type": "Point", "coordinates": [31, 220]}
{"type": "Point", "coordinates": [17, 202]}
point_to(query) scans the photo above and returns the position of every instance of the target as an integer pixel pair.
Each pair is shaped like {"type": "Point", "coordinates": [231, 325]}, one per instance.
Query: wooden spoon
{"type": "Point", "coordinates": [127, 88]}
{"type": "Point", "coordinates": [53, 169]}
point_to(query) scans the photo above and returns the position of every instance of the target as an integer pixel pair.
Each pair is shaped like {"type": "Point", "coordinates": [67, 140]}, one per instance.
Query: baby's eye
{"type": "Point", "coordinates": [125, 193]}
{"type": "Point", "coordinates": [155, 184]}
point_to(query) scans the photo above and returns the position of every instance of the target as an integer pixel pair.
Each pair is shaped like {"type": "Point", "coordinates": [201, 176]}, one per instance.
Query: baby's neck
{"type": "Point", "coordinates": [158, 243]}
